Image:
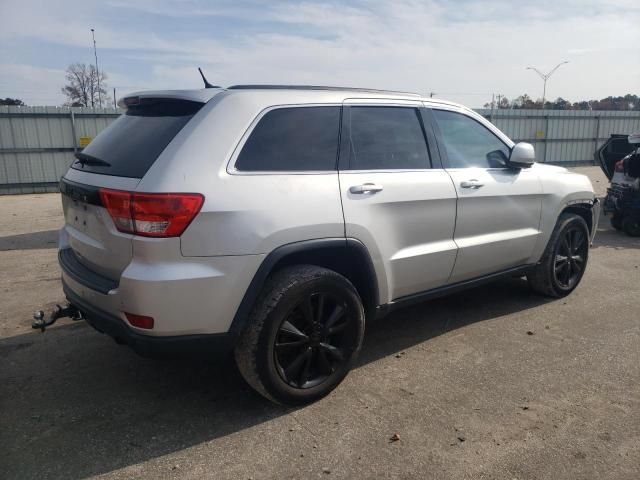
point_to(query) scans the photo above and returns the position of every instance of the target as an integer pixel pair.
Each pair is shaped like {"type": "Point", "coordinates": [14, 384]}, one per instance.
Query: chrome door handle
{"type": "Point", "coordinates": [366, 188]}
{"type": "Point", "coordinates": [473, 183]}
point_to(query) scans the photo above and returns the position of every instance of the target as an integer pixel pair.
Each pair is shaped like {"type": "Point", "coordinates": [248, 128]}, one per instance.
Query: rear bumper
{"type": "Point", "coordinates": [104, 322]}
{"type": "Point", "coordinates": [186, 296]}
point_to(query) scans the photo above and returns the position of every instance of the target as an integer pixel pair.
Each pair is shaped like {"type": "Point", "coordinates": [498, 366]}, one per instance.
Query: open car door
{"type": "Point", "coordinates": [612, 151]}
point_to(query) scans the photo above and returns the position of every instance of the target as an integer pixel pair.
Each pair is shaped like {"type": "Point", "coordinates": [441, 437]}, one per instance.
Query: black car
{"type": "Point", "coordinates": [619, 158]}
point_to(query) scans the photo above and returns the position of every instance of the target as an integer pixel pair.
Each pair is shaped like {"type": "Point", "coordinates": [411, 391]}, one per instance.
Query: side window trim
{"type": "Point", "coordinates": [233, 158]}
{"type": "Point", "coordinates": [344, 162]}
{"type": "Point", "coordinates": [344, 152]}
{"type": "Point", "coordinates": [440, 141]}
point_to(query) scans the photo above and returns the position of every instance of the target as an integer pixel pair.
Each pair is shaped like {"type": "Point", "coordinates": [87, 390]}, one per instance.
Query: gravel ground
{"type": "Point", "coordinates": [494, 382]}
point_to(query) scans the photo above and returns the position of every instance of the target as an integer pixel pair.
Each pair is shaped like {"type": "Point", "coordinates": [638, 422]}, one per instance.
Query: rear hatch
{"type": "Point", "coordinates": [116, 160]}
{"type": "Point", "coordinates": [612, 151]}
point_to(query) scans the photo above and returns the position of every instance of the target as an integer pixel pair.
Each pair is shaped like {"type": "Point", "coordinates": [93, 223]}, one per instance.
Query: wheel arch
{"type": "Point", "coordinates": [584, 210]}
{"type": "Point", "coordinates": [346, 256]}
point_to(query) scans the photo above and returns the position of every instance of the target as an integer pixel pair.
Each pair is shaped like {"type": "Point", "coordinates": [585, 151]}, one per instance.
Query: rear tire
{"type": "Point", "coordinates": [564, 260]}
{"type": "Point", "coordinates": [302, 336]}
{"type": "Point", "coordinates": [631, 226]}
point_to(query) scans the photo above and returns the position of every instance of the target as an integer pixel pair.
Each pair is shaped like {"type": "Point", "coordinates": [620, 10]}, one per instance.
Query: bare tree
{"type": "Point", "coordinates": [83, 88]}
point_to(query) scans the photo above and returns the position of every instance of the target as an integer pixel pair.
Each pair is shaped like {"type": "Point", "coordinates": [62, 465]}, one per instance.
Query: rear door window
{"type": "Point", "coordinates": [387, 138]}
{"type": "Point", "coordinates": [132, 143]}
{"type": "Point", "coordinates": [293, 139]}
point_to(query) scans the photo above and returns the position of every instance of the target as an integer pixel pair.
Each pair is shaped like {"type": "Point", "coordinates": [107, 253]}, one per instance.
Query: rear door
{"type": "Point", "coordinates": [117, 159]}
{"type": "Point", "coordinates": [396, 197]}
{"type": "Point", "coordinates": [498, 214]}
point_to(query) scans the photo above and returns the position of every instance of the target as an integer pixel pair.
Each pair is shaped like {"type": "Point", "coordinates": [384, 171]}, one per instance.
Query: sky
{"type": "Point", "coordinates": [462, 50]}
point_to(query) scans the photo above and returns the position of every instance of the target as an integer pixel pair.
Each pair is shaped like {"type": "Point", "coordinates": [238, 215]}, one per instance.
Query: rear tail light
{"type": "Point", "coordinates": [151, 214]}
{"type": "Point", "coordinates": [128, 101]}
{"type": "Point", "coordinates": [140, 321]}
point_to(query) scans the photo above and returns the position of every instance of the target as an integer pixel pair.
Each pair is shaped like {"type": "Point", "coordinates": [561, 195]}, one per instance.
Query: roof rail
{"type": "Point", "coordinates": [315, 87]}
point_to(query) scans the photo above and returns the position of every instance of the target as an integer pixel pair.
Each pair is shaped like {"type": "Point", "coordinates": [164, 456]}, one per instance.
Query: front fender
{"type": "Point", "coordinates": [561, 190]}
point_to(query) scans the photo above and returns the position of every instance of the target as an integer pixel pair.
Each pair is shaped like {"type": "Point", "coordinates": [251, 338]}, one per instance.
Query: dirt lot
{"type": "Point", "coordinates": [495, 382]}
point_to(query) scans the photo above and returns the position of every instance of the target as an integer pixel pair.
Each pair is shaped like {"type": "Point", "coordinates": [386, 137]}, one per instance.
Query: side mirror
{"type": "Point", "coordinates": [522, 155]}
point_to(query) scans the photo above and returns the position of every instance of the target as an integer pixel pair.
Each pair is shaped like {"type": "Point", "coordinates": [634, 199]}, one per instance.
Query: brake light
{"type": "Point", "coordinates": [128, 101]}
{"type": "Point", "coordinates": [140, 321]}
{"type": "Point", "coordinates": [151, 214]}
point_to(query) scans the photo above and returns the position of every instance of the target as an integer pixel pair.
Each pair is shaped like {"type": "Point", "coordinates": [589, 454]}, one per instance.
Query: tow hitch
{"type": "Point", "coordinates": [39, 320]}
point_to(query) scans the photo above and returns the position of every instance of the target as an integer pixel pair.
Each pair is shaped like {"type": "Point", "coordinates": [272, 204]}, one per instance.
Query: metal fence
{"type": "Point", "coordinates": [564, 137]}
{"type": "Point", "coordinates": [37, 143]}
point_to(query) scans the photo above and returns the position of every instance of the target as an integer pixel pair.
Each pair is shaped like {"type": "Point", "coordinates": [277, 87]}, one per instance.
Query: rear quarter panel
{"type": "Point", "coordinates": [243, 213]}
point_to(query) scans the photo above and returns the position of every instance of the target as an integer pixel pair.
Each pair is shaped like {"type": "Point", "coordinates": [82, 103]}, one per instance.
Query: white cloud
{"type": "Point", "coordinates": [463, 51]}
{"type": "Point", "coordinates": [34, 85]}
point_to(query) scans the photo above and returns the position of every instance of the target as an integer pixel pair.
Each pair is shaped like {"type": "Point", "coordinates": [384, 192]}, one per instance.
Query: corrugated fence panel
{"type": "Point", "coordinates": [37, 143]}
{"type": "Point", "coordinates": [563, 136]}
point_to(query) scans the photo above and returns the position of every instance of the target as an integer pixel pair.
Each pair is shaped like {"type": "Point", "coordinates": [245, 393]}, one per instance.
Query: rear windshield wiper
{"type": "Point", "coordinates": [86, 159]}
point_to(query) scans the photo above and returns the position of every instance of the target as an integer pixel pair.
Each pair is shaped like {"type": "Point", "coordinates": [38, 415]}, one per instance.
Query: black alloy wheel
{"type": "Point", "coordinates": [570, 257]}
{"type": "Point", "coordinates": [303, 335]}
{"type": "Point", "coordinates": [314, 340]}
{"type": "Point", "coordinates": [565, 258]}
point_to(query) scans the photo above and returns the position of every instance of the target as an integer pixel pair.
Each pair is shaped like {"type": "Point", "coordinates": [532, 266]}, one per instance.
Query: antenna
{"type": "Point", "coordinates": [204, 79]}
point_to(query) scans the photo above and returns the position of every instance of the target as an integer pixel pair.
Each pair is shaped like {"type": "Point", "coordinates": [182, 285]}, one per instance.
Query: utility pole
{"type": "Point", "coordinates": [493, 104]}
{"type": "Point", "coordinates": [95, 54]}
{"type": "Point", "coordinates": [545, 77]}
{"type": "Point", "coordinates": [432, 94]}
{"type": "Point", "coordinates": [115, 105]}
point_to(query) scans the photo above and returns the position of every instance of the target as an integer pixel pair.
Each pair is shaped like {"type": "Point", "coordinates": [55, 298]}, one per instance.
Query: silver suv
{"type": "Point", "coordinates": [272, 220]}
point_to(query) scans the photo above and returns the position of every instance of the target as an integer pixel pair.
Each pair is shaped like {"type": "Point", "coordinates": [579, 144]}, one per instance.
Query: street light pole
{"type": "Point", "coordinates": [545, 77]}
{"type": "Point", "coordinates": [95, 54]}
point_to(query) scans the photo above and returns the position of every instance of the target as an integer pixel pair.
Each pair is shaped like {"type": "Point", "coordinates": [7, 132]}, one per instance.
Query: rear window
{"type": "Point", "coordinates": [132, 143]}
{"type": "Point", "coordinates": [293, 139]}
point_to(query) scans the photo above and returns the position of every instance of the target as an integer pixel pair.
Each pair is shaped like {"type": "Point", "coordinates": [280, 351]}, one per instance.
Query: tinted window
{"type": "Point", "coordinates": [293, 139]}
{"type": "Point", "coordinates": [468, 143]}
{"type": "Point", "coordinates": [387, 138]}
{"type": "Point", "coordinates": [133, 142]}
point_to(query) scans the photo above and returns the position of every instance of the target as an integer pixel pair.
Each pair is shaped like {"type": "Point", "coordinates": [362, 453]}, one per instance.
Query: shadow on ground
{"type": "Point", "coordinates": [30, 241]}
{"type": "Point", "coordinates": [73, 390]}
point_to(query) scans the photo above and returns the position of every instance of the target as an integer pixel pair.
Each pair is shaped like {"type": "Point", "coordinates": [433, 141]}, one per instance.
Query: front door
{"type": "Point", "coordinates": [498, 214]}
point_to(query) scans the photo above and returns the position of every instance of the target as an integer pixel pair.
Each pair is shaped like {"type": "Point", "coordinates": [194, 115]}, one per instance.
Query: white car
{"type": "Point", "coordinates": [272, 220]}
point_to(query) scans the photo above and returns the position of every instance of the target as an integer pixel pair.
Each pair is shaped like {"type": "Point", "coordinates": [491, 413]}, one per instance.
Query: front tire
{"type": "Point", "coordinates": [564, 260]}
{"type": "Point", "coordinates": [631, 226]}
{"type": "Point", "coordinates": [303, 335]}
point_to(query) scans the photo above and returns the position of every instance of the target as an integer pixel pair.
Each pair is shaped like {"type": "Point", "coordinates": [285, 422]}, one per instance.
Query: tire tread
{"type": "Point", "coordinates": [276, 286]}
{"type": "Point", "coordinates": [540, 277]}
